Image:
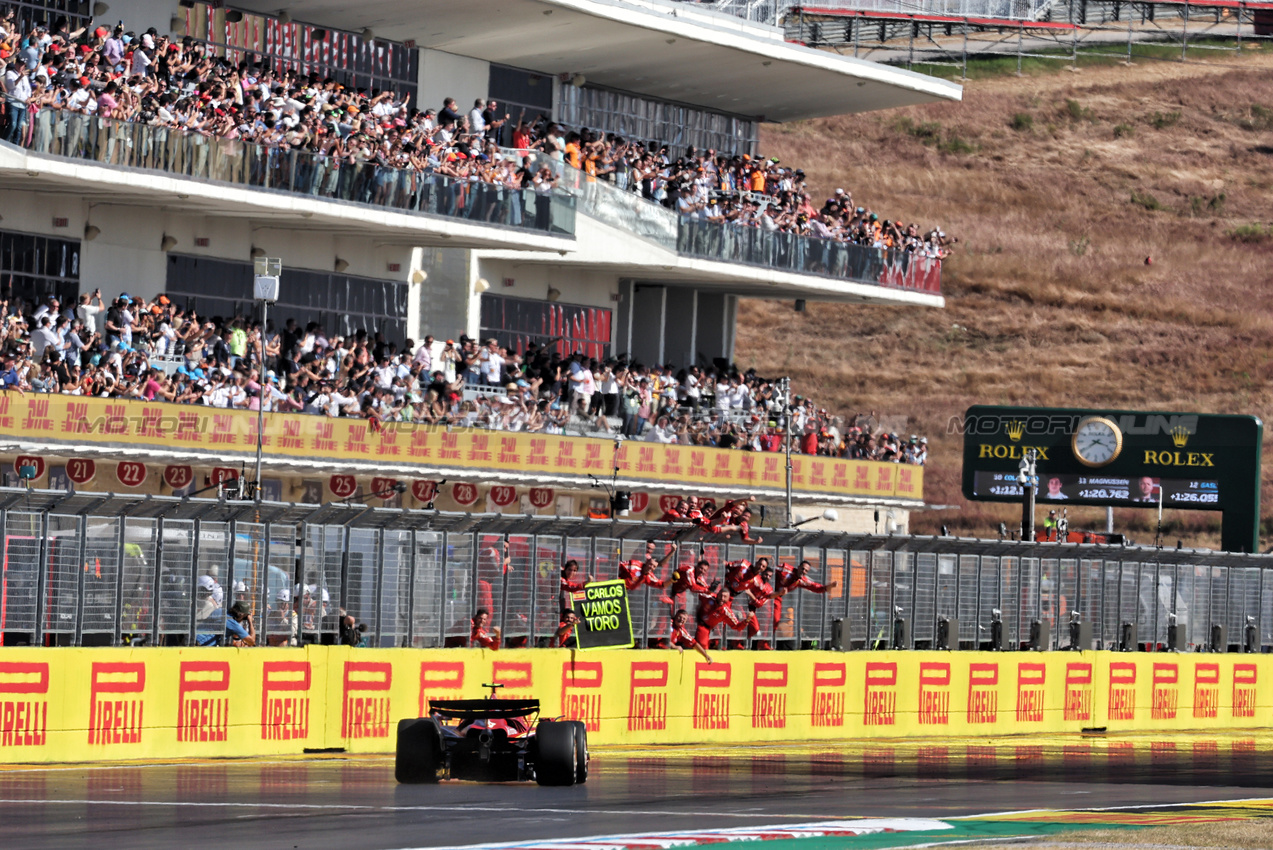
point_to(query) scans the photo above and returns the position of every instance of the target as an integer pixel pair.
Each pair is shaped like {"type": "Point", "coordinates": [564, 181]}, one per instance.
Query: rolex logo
{"type": "Point", "coordinates": [1016, 428]}
{"type": "Point", "coordinates": [1180, 435]}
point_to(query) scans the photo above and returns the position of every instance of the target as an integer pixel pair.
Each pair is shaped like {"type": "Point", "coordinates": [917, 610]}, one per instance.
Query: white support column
{"type": "Point", "coordinates": [662, 324]}
{"type": "Point", "coordinates": [693, 333]}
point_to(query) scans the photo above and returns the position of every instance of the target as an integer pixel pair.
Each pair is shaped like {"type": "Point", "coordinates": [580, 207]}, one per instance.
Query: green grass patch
{"type": "Point", "coordinates": [1252, 233]}
{"type": "Point", "coordinates": [1146, 200]}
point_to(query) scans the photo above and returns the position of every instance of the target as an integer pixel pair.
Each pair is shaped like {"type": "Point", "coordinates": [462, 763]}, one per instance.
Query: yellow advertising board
{"type": "Point", "coordinates": [39, 420]}
{"type": "Point", "coordinates": [74, 705]}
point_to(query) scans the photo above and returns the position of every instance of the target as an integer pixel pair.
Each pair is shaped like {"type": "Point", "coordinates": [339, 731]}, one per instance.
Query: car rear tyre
{"type": "Point", "coordinates": [419, 753]}
{"type": "Point", "coordinates": [556, 762]}
{"type": "Point", "coordinates": [581, 751]}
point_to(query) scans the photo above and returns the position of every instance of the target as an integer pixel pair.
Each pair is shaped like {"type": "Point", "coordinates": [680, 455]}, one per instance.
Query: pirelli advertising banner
{"type": "Point", "coordinates": [1121, 458]}
{"type": "Point", "coordinates": [47, 421]}
{"type": "Point", "coordinates": [75, 705]}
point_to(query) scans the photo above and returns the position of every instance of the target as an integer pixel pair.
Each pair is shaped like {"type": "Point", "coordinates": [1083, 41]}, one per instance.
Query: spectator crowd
{"type": "Point", "coordinates": [160, 350]}
{"type": "Point", "coordinates": [183, 85]}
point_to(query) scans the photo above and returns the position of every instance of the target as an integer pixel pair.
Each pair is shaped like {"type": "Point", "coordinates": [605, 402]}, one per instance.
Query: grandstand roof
{"type": "Point", "coordinates": [673, 51]}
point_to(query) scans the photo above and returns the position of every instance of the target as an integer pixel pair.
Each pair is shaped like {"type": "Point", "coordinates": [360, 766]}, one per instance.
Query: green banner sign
{"type": "Point", "coordinates": [605, 622]}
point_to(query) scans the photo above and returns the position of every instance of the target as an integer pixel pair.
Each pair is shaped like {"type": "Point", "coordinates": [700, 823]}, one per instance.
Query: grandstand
{"type": "Point", "coordinates": [92, 201]}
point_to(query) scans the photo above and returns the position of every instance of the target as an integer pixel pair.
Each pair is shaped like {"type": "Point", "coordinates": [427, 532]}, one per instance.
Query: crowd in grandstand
{"type": "Point", "coordinates": [134, 348]}
{"type": "Point", "coordinates": [181, 84]}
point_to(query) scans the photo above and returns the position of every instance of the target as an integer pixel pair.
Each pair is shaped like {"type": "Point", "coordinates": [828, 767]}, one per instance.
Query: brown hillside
{"type": "Point", "coordinates": [1058, 188]}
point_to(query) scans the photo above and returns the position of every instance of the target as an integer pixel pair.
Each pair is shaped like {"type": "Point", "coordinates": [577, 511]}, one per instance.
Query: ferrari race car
{"type": "Point", "coordinates": [490, 740]}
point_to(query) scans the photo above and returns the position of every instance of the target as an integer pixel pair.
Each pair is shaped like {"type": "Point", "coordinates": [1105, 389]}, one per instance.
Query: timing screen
{"type": "Point", "coordinates": [1111, 489]}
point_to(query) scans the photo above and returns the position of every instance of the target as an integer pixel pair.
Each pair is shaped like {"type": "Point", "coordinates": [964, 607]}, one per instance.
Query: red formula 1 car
{"type": "Point", "coordinates": [490, 740]}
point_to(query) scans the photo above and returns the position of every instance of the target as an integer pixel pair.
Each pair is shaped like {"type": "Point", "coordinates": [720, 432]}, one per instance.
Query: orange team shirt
{"type": "Point", "coordinates": [590, 166]}
{"type": "Point", "coordinates": [572, 154]}
{"type": "Point", "coordinates": [758, 181]}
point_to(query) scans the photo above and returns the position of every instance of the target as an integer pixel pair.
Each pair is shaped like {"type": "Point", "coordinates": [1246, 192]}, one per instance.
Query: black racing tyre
{"type": "Point", "coordinates": [581, 751]}
{"type": "Point", "coordinates": [419, 753]}
{"type": "Point", "coordinates": [556, 761]}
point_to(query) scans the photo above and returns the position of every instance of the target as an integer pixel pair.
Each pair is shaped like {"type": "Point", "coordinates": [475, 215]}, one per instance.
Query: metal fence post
{"type": "Point", "coordinates": [533, 568]}
{"type": "Point", "coordinates": [41, 580]}
{"type": "Point", "coordinates": [503, 590]}
{"type": "Point", "coordinates": [156, 585]}
{"type": "Point", "coordinates": [193, 637]}
{"type": "Point", "coordinates": [378, 613]}
{"type": "Point", "coordinates": [119, 582]}
{"type": "Point", "coordinates": [80, 567]}
{"type": "Point", "coordinates": [411, 581]}
{"type": "Point", "coordinates": [445, 560]}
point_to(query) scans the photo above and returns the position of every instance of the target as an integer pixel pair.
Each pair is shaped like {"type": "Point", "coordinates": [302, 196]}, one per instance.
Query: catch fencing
{"type": "Point", "coordinates": [107, 570]}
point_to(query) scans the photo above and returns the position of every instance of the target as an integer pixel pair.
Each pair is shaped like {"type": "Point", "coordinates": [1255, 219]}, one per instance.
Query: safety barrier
{"type": "Point", "coordinates": [75, 705]}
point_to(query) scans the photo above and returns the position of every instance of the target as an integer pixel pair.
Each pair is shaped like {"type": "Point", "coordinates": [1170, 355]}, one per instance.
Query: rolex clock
{"type": "Point", "coordinates": [1097, 441]}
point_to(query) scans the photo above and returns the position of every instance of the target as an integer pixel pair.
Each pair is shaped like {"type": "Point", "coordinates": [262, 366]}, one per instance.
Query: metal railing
{"type": "Point", "coordinates": [1015, 10]}
{"type": "Point", "coordinates": [220, 160]}
{"type": "Point", "coordinates": [101, 569]}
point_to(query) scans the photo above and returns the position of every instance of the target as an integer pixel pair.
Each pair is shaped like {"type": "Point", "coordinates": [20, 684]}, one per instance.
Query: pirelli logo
{"type": "Point", "coordinates": [1166, 691]}
{"type": "Point", "coordinates": [647, 702]}
{"type": "Point", "coordinates": [581, 692]}
{"type": "Point", "coordinates": [1206, 690]}
{"type": "Point", "coordinates": [439, 679]}
{"type": "Point", "coordinates": [116, 707]}
{"type": "Point", "coordinates": [203, 701]}
{"type": "Point", "coordinates": [769, 696]}
{"type": "Point", "coordinates": [711, 695]}
{"type": "Point", "coordinates": [879, 693]}
{"type": "Point", "coordinates": [983, 693]}
{"type": "Point", "coordinates": [24, 704]}
{"type": "Point", "coordinates": [1078, 692]}
{"type": "Point", "coordinates": [1030, 689]}
{"type": "Point", "coordinates": [1244, 681]}
{"type": "Point", "coordinates": [364, 711]}
{"type": "Point", "coordinates": [1122, 690]}
{"type": "Point", "coordinates": [285, 700]}
{"type": "Point", "coordinates": [829, 681]}
{"type": "Point", "coordinates": [934, 693]}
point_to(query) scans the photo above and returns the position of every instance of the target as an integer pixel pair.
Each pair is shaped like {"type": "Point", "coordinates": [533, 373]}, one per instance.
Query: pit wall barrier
{"type": "Point", "coordinates": [78, 705]}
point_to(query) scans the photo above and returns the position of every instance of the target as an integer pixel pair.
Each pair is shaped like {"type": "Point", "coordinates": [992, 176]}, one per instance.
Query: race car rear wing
{"type": "Point", "coordinates": [483, 709]}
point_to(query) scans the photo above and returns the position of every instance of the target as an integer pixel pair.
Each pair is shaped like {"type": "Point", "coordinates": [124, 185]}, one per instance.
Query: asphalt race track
{"type": "Point", "coordinates": [353, 802]}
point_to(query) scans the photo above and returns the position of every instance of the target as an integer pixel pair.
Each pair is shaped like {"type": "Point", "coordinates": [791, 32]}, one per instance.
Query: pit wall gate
{"type": "Point", "coordinates": [78, 705]}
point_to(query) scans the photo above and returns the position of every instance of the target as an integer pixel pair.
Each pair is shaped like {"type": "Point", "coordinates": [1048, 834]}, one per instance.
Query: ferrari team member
{"type": "Point", "coordinates": [683, 638]}
{"type": "Point", "coordinates": [492, 565]}
{"type": "Point", "coordinates": [712, 612]}
{"type": "Point", "coordinates": [686, 578]}
{"type": "Point", "coordinates": [794, 578]}
{"type": "Point", "coordinates": [636, 573]}
{"type": "Point", "coordinates": [483, 634]}
{"type": "Point", "coordinates": [566, 630]}
{"type": "Point", "coordinates": [678, 513]}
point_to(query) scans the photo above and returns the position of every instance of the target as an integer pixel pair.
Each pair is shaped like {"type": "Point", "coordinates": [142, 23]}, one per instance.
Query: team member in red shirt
{"type": "Point", "coordinates": [683, 638]}
{"type": "Point", "coordinates": [713, 611]}
{"type": "Point", "coordinates": [679, 513]}
{"type": "Point", "coordinates": [566, 630]}
{"type": "Point", "coordinates": [491, 567]}
{"type": "Point", "coordinates": [484, 635]}
{"type": "Point", "coordinates": [686, 578]}
{"type": "Point", "coordinates": [636, 573]}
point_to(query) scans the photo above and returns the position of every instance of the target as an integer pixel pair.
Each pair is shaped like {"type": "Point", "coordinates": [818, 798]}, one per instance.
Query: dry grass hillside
{"type": "Point", "coordinates": [1058, 188]}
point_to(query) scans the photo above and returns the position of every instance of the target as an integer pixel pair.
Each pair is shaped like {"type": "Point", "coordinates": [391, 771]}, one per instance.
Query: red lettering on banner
{"type": "Point", "coordinates": [672, 461]}
{"type": "Point", "coordinates": [879, 693]}
{"type": "Point", "coordinates": [1078, 691]}
{"type": "Point", "coordinates": [152, 422]}
{"type": "Point", "coordinates": [698, 464]}
{"type": "Point", "coordinates": [6, 421]}
{"type": "Point", "coordinates": [1166, 691]}
{"type": "Point", "coordinates": [1244, 681]}
{"type": "Point", "coordinates": [203, 718]}
{"type": "Point", "coordinates": [592, 456]}
{"type": "Point", "coordinates": [389, 442]}
{"type": "Point", "coordinates": [1122, 690]}
{"type": "Point", "coordinates": [647, 703]}
{"type": "Point", "coordinates": [116, 420]}
{"type": "Point", "coordinates": [861, 478]}
{"type": "Point", "coordinates": [905, 481]}
{"type": "Point", "coordinates": [518, 677]}
{"type": "Point", "coordinates": [438, 676]}
{"type": "Point", "coordinates": [538, 452]}
{"type": "Point", "coordinates": [797, 470]}
{"type": "Point", "coordinates": [189, 428]}
{"type": "Point", "coordinates": [1206, 690]}
{"type": "Point", "coordinates": [115, 721]}
{"type": "Point", "coordinates": [503, 496]}
{"type": "Point", "coordinates": [76, 421]}
{"type": "Point", "coordinates": [839, 475]}
{"type": "Point", "coordinates": [711, 695]}
{"type": "Point", "coordinates": [771, 474]}
{"type": "Point", "coordinates": [817, 473]}
{"type": "Point", "coordinates": [291, 436]}
{"type": "Point", "coordinates": [479, 448]}
{"type": "Point", "coordinates": [884, 478]}
{"type": "Point", "coordinates": [450, 448]}
{"type": "Point", "coordinates": [364, 708]}
{"type": "Point", "coordinates": [1031, 678]}
{"type": "Point", "coordinates": [934, 693]}
{"type": "Point", "coordinates": [464, 494]}
{"type": "Point", "coordinates": [37, 418]}
{"type": "Point", "coordinates": [721, 470]}
{"type": "Point", "coordinates": [983, 697]}
{"type": "Point", "coordinates": [324, 437]}
{"type": "Point", "coordinates": [746, 467]}
{"type": "Point", "coordinates": [565, 454]}
{"type": "Point", "coordinates": [223, 430]}
{"type": "Point", "coordinates": [419, 447]}
{"type": "Point", "coordinates": [581, 692]}
{"type": "Point", "coordinates": [541, 497]}
{"type": "Point", "coordinates": [285, 700]}
{"type": "Point", "coordinates": [645, 460]}
{"type": "Point", "coordinates": [829, 682]}
{"type": "Point", "coordinates": [769, 696]}
{"type": "Point", "coordinates": [24, 705]}
{"type": "Point", "coordinates": [356, 440]}
{"type": "Point", "coordinates": [508, 453]}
